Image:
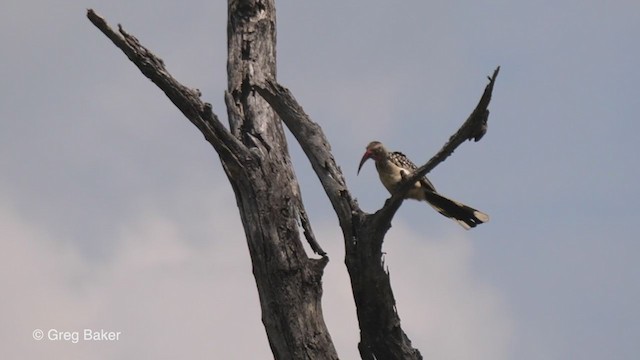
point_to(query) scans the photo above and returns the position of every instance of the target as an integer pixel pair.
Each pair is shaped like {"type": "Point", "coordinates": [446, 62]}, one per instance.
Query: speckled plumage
{"type": "Point", "coordinates": [394, 166]}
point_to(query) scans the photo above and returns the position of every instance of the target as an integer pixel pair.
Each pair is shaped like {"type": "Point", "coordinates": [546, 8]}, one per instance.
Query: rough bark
{"type": "Point", "coordinates": [255, 158]}
{"type": "Point", "coordinates": [289, 283]}
{"type": "Point", "coordinates": [381, 336]}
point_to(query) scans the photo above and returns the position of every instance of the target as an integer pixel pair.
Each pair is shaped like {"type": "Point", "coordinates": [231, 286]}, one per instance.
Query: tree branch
{"type": "Point", "coordinates": [381, 334]}
{"type": "Point", "coordinates": [186, 99]}
{"type": "Point", "coordinates": [268, 195]}
{"type": "Point", "coordinates": [314, 144]}
{"type": "Point", "coordinates": [473, 128]}
{"type": "Point", "coordinates": [255, 157]}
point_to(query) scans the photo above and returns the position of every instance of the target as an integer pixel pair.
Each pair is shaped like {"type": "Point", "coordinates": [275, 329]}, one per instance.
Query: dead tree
{"type": "Point", "coordinates": [253, 152]}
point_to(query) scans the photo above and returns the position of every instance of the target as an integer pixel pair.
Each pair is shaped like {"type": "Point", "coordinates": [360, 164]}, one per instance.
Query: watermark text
{"type": "Point", "coordinates": [75, 337]}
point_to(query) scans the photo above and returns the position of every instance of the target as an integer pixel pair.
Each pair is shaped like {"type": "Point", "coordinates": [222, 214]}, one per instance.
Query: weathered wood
{"type": "Point", "coordinates": [289, 283]}
{"type": "Point", "coordinates": [381, 335]}
{"type": "Point", "coordinates": [255, 158]}
{"type": "Point", "coordinates": [185, 99]}
{"type": "Point", "coordinates": [473, 128]}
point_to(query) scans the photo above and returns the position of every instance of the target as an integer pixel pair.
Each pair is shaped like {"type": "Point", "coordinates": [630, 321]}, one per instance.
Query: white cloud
{"type": "Point", "coordinates": [400, 79]}
{"type": "Point", "coordinates": [447, 311]}
{"type": "Point", "coordinates": [168, 299]}
{"type": "Point", "coordinates": [171, 299]}
{"type": "Point", "coordinates": [37, 278]}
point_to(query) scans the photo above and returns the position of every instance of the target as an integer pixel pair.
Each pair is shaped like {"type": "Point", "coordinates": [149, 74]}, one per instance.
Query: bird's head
{"type": "Point", "coordinates": [375, 150]}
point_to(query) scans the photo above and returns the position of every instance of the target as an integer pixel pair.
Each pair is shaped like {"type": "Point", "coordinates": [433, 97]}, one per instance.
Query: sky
{"type": "Point", "coordinates": [115, 213]}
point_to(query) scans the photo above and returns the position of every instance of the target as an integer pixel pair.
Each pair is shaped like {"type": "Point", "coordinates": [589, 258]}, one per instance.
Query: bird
{"type": "Point", "coordinates": [392, 169]}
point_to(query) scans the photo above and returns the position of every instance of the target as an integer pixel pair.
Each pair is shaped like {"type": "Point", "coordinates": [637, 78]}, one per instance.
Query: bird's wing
{"type": "Point", "coordinates": [403, 161]}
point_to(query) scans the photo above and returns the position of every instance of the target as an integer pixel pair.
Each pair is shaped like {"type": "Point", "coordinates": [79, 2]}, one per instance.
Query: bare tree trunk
{"type": "Point", "coordinates": [256, 160]}
{"type": "Point", "coordinates": [381, 336]}
{"type": "Point", "coordinates": [289, 283]}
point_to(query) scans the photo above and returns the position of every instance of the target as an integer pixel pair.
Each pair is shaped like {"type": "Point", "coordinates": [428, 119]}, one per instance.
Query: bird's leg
{"type": "Point", "coordinates": [404, 175]}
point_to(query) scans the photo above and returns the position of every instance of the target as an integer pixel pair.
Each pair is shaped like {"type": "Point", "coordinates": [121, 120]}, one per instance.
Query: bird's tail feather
{"type": "Point", "coordinates": [466, 216]}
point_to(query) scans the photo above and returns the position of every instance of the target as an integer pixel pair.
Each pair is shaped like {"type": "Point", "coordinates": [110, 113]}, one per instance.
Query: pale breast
{"type": "Point", "coordinates": [391, 175]}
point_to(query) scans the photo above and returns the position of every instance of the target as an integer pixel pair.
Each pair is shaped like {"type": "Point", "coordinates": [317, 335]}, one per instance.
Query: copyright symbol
{"type": "Point", "coordinates": [38, 334]}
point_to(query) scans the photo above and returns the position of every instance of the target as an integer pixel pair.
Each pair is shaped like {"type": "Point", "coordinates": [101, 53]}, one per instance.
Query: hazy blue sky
{"type": "Point", "coordinates": [115, 213]}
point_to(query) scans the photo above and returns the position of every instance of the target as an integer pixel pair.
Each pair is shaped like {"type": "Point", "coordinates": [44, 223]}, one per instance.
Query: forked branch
{"type": "Point", "coordinates": [267, 193]}
{"type": "Point", "coordinates": [382, 336]}
{"type": "Point", "coordinates": [315, 145]}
